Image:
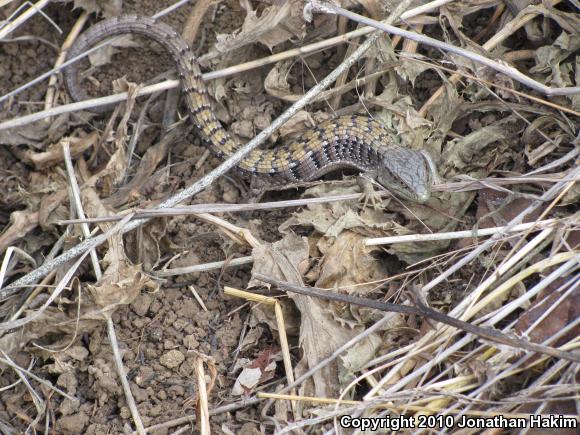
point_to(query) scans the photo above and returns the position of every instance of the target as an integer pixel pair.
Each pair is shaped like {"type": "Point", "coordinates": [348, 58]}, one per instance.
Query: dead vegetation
{"type": "Point", "coordinates": [125, 244]}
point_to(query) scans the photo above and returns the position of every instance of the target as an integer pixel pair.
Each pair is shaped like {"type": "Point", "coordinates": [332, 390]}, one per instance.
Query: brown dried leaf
{"type": "Point", "coordinates": [142, 182]}
{"type": "Point", "coordinates": [443, 112]}
{"type": "Point", "coordinates": [255, 372]}
{"type": "Point", "coordinates": [276, 82]}
{"type": "Point", "coordinates": [92, 205]}
{"type": "Point", "coordinates": [407, 125]}
{"type": "Point", "coordinates": [116, 167]}
{"type": "Point", "coordinates": [566, 311]}
{"type": "Point", "coordinates": [265, 314]}
{"type": "Point", "coordinates": [320, 335]}
{"type": "Point", "coordinates": [330, 220]}
{"type": "Point", "coordinates": [327, 219]}
{"type": "Point", "coordinates": [350, 265]}
{"type": "Point", "coordinates": [54, 207]}
{"type": "Point", "coordinates": [347, 261]}
{"type": "Point", "coordinates": [410, 70]}
{"type": "Point", "coordinates": [21, 223]}
{"type": "Point", "coordinates": [144, 247]}
{"type": "Point", "coordinates": [498, 208]}
{"type": "Point", "coordinates": [58, 323]}
{"type": "Point", "coordinates": [121, 281]}
{"type": "Point", "coordinates": [120, 285]}
{"type": "Point", "coordinates": [53, 154]}
{"type": "Point", "coordinates": [277, 24]}
{"type": "Point", "coordinates": [550, 59]}
{"type": "Point", "coordinates": [37, 134]}
{"type": "Point", "coordinates": [281, 260]}
{"type": "Point", "coordinates": [474, 153]}
{"type": "Point", "coordinates": [301, 121]}
{"type": "Point", "coordinates": [108, 8]}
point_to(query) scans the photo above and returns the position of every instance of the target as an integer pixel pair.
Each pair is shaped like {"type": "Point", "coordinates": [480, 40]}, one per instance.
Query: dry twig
{"type": "Point", "coordinates": [328, 7]}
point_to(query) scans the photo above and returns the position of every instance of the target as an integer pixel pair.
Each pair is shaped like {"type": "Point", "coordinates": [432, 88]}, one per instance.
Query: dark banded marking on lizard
{"type": "Point", "coordinates": [355, 142]}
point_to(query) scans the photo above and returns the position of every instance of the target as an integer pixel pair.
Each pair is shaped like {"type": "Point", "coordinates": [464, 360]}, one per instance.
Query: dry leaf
{"type": "Point", "coordinates": [53, 154]}
{"type": "Point", "coordinates": [257, 371]}
{"type": "Point", "coordinates": [276, 82]}
{"type": "Point", "coordinates": [561, 315]}
{"type": "Point", "coordinates": [347, 261]}
{"type": "Point", "coordinates": [108, 8]}
{"type": "Point", "coordinates": [276, 24]}
{"type": "Point", "coordinates": [21, 223]}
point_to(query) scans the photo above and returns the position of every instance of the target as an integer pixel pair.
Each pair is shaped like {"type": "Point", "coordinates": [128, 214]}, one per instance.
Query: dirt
{"type": "Point", "coordinates": [160, 334]}
{"type": "Point", "coordinates": [164, 331]}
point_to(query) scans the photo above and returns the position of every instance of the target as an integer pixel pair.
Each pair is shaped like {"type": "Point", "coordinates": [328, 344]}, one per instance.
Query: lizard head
{"type": "Point", "coordinates": [407, 174]}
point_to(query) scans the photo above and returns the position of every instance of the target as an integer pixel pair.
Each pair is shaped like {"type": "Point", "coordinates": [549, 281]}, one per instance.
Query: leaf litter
{"type": "Point", "coordinates": [471, 130]}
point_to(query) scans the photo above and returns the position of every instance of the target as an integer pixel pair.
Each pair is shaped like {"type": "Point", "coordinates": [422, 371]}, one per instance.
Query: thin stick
{"type": "Point", "coordinates": [535, 226]}
{"type": "Point", "coordinates": [327, 7]}
{"type": "Point", "coordinates": [423, 311]}
{"type": "Point", "coordinates": [5, 263]}
{"type": "Point", "coordinates": [385, 405]}
{"type": "Point", "coordinates": [83, 105]}
{"type": "Point", "coordinates": [460, 186]}
{"type": "Point", "coordinates": [204, 267]}
{"type": "Point", "coordinates": [197, 297]}
{"type": "Point", "coordinates": [201, 184]}
{"type": "Point", "coordinates": [219, 208]}
{"type": "Point", "coordinates": [52, 81]}
{"type": "Point", "coordinates": [44, 382]}
{"type": "Point", "coordinates": [32, 10]}
{"type": "Point", "coordinates": [216, 411]}
{"type": "Point", "coordinates": [237, 234]}
{"type": "Point", "coordinates": [230, 291]}
{"type": "Point", "coordinates": [124, 382]}
{"type": "Point", "coordinates": [68, 62]}
{"type": "Point", "coordinates": [170, 9]}
{"type": "Point", "coordinates": [78, 205]}
{"type": "Point", "coordinates": [551, 193]}
{"type": "Point", "coordinates": [519, 21]}
{"type": "Point", "coordinates": [203, 407]}
{"type": "Point", "coordinates": [170, 84]}
{"type": "Point", "coordinates": [70, 271]}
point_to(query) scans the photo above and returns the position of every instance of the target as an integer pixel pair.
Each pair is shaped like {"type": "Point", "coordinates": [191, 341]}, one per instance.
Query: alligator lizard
{"type": "Point", "coordinates": [356, 142]}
